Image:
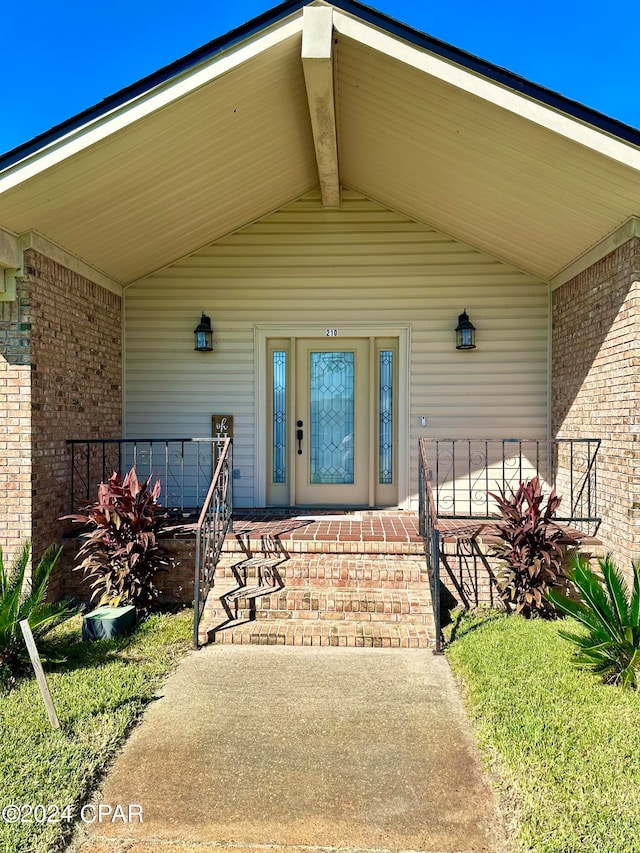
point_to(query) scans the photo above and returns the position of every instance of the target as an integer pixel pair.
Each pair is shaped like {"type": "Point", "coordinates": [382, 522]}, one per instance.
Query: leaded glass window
{"type": "Point", "coordinates": [332, 417]}
{"type": "Point", "coordinates": [279, 416]}
{"type": "Point", "coordinates": [385, 431]}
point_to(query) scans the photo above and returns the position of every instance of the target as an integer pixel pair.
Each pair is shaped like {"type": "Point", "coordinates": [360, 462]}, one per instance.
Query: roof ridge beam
{"type": "Point", "coordinates": [317, 63]}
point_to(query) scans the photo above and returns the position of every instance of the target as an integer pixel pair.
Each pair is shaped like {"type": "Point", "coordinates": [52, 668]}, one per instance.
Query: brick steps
{"type": "Point", "coordinates": [324, 633]}
{"type": "Point", "coordinates": [323, 603]}
{"type": "Point", "coordinates": [354, 571]}
{"type": "Point", "coordinates": [324, 578]}
{"type": "Point", "coordinates": [353, 547]}
{"type": "Point", "coordinates": [311, 598]}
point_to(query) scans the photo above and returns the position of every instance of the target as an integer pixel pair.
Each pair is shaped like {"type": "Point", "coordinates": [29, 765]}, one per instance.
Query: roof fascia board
{"type": "Point", "coordinates": [317, 63]}
{"type": "Point", "coordinates": [469, 81]}
{"type": "Point", "coordinates": [139, 107]}
{"type": "Point", "coordinates": [626, 232]}
{"type": "Point", "coordinates": [422, 40]}
{"type": "Point", "coordinates": [42, 245]}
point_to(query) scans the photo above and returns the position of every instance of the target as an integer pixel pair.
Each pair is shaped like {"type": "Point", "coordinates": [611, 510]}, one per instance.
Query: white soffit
{"type": "Point", "coordinates": [496, 169]}
{"type": "Point", "coordinates": [231, 140]}
{"type": "Point", "coordinates": [207, 163]}
{"type": "Point", "coordinates": [596, 253]}
{"type": "Point", "coordinates": [150, 102]}
{"type": "Point", "coordinates": [481, 87]}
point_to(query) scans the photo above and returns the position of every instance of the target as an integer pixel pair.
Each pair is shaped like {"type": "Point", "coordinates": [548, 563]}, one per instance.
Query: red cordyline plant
{"type": "Point", "coordinates": [530, 550]}
{"type": "Point", "coordinates": [120, 554]}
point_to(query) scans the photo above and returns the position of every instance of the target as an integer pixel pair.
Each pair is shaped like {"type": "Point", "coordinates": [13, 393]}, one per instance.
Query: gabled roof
{"type": "Point", "coordinates": [330, 94]}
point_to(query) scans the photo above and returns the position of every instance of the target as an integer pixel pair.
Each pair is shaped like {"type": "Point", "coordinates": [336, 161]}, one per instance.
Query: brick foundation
{"type": "Point", "coordinates": [468, 572]}
{"type": "Point", "coordinates": [596, 385]}
{"type": "Point", "coordinates": [175, 585]}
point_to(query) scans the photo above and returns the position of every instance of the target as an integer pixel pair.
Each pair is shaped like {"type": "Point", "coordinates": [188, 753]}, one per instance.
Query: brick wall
{"type": "Point", "coordinates": [175, 585]}
{"type": "Point", "coordinates": [76, 377]}
{"type": "Point", "coordinates": [15, 422]}
{"type": "Point", "coordinates": [596, 385]}
{"type": "Point", "coordinates": [469, 572]}
{"type": "Point", "coordinates": [468, 576]}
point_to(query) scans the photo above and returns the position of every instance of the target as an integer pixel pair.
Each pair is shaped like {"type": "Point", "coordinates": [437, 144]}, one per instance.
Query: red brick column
{"type": "Point", "coordinates": [596, 385]}
{"type": "Point", "coordinates": [15, 422]}
{"type": "Point", "coordinates": [60, 378]}
{"type": "Point", "coordinates": [76, 383]}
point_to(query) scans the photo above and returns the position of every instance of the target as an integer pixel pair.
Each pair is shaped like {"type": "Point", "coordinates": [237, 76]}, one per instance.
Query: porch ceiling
{"type": "Point", "coordinates": [213, 149]}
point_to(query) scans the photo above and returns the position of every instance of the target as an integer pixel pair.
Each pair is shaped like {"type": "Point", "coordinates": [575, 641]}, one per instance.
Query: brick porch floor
{"type": "Point", "coordinates": [368, 527]}
{"type": "Point", "coordinates": [331, 529]}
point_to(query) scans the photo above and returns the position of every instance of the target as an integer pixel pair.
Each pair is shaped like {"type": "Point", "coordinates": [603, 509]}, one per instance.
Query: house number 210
{"type": "Point", "coordinates": [331, 333]}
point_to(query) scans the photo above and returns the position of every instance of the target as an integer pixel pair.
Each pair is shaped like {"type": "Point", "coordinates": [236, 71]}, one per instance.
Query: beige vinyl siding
{"type": "Point", "coordinates": [307, 268]}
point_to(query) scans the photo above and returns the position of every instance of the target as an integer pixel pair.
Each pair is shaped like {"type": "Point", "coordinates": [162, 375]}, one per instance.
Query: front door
{"type": "Point", "coordinates": [331, 416]}
{"type": "Point", "coordinates": [332, 422]}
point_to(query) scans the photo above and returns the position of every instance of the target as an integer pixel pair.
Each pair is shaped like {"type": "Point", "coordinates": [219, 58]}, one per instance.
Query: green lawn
{"type": "Point", "coordinates": [99, 693]}
{"type": "Point", "coordinates": [565, 748]}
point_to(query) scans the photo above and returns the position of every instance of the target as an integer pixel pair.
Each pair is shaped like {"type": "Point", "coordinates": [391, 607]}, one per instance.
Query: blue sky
{"type": "Point", "coordinates": [62, 56]}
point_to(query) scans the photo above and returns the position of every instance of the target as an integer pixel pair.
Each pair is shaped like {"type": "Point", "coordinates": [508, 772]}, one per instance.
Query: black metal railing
{"type": "Point", "coordinates": [456, 478]}
{"type": "Point", "coordinates": [463, 473]}
{"type": "Point", "coordinates": [213, 524]}
{"type": "Point", "coordinates": [185, 467]}
{"type": "Point", "coordinates": [430, 532]}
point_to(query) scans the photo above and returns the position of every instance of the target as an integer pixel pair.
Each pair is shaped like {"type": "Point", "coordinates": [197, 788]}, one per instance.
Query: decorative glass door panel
{"type": "Point", "coordinates": [332, 403]}
{"type": "Point", "coordinates": [331, 423]}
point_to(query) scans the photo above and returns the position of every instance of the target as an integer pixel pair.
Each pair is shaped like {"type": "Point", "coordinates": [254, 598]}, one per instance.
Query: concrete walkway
{"type": "Point", "coordinates": [285, 747]}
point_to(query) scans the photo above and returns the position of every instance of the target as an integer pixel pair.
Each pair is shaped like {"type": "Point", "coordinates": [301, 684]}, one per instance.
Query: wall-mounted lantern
{"type": "Point", "coordinates": [204, 335]}
{"type": "Point", "coordinates": [465, 332]}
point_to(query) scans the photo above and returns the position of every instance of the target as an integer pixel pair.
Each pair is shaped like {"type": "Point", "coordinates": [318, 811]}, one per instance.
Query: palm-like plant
{"type": "Point", "coordinates": [22, 598]}
{"type": "Point", "coordinates": [610, 611]}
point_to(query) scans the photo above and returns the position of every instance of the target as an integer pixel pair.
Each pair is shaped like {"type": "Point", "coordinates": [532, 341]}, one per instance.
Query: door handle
{"type": "Point", "coordinates": [299, 436]}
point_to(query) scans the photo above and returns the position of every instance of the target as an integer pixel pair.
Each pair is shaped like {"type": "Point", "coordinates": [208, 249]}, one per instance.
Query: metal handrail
{"type": "Point", "coordinates": [457, 476]}
{"type": "Point", "coordinates": [214, 522]}
{"type": "Point", "coordinates": [466, 470]}
{"type": "Point", "coordinates": [184, 464]}
{"type": "Point", "coordinates": [430, 532]}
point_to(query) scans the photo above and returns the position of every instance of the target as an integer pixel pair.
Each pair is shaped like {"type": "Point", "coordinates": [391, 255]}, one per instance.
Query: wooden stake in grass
{"type": "Point", "coordinates": [39, 671]}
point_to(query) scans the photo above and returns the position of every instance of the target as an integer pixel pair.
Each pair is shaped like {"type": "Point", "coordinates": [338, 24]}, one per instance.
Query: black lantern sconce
{"type": "Point", "coordinates": [465, 332]}
{"type": "Point", "coordinates": [204, 335]}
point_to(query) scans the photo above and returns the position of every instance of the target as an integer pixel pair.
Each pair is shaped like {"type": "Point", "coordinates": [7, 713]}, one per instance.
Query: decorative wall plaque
{"type": "Point", "coordinates": [222, 426]}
